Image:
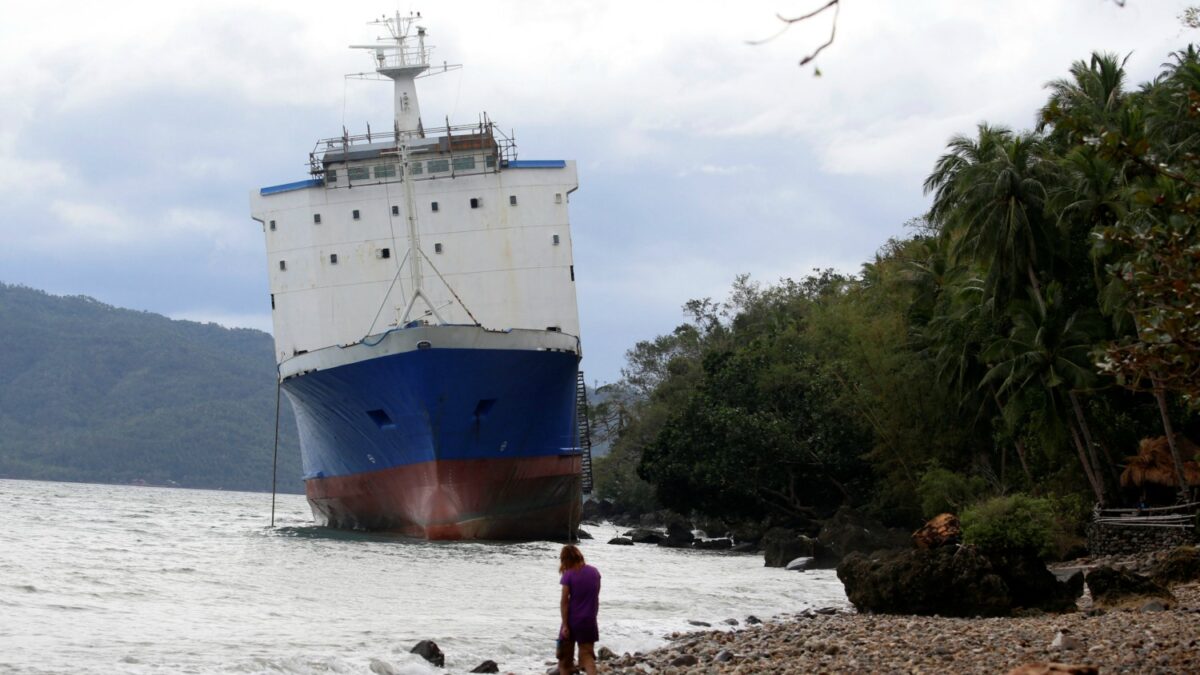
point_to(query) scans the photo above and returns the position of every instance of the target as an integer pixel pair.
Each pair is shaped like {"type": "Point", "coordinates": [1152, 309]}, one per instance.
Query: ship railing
{"type": "Point", "coordinates": [452, 139]}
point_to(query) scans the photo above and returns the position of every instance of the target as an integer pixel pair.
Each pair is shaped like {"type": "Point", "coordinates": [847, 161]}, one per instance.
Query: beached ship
{"type": "Point", "coordinates": [425, 322]}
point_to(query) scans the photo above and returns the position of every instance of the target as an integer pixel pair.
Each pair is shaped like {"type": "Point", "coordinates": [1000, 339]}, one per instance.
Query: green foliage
{"type": "Point", "coordinates": [1015, 522]}
{"type": "Point", "coordinates": [1054, 265]}
{"type": "Point", "coordinates": [944, 491]}
{"type": "Point", "coordinates": [93, 393]}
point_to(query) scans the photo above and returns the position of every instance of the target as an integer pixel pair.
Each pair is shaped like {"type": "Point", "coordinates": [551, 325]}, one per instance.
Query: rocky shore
{"type": "Point", "coordinates": [1119, 641]}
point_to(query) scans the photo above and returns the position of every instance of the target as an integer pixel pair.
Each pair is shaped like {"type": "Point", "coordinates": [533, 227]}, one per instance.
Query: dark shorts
{"type": "Point", "coordinates": [585, 632]}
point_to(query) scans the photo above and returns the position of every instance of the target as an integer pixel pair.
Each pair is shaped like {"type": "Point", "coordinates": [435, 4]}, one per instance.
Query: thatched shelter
{"type": "Point", "coordinates": [1153, 466]}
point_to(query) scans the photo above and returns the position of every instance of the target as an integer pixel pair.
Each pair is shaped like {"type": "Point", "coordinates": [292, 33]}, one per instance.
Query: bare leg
{"type": "Point", "coordinates": [566, 660]}
{"type": "Point", "coordinates": [587, 658]}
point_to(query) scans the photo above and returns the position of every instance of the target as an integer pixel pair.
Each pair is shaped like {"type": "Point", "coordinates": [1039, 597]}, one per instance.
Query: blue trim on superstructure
{"type": "Point", "coordinates": [537, 164]}
{"type": "Point", "coordinates": [288, 187]}
{"type": "Point", "coordinates": [434, 404]}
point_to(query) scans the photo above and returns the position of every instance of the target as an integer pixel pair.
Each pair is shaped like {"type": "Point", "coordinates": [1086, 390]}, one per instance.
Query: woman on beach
{"type": "Point", "coordinates": [580, 604]}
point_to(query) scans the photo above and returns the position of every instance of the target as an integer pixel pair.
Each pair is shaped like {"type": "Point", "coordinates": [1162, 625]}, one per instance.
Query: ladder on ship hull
{"type": "Point", "coordinates": [583, 431]}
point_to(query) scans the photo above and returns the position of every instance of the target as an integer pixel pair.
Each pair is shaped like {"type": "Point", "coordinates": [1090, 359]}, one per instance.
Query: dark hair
{"type": "Point", "coordinates": [570, 558]}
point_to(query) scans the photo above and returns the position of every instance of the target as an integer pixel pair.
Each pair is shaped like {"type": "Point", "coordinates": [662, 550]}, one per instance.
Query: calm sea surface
{"type": "Point", "coordinates": [115, 579]}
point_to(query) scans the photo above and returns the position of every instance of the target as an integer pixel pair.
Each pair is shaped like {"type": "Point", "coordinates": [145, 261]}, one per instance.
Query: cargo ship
{"type": "Point", "coordinates": [425, 322]}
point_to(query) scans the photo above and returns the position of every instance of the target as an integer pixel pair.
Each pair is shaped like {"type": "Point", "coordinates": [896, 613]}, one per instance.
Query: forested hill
{"type": "Point", "coordinates": [91, 392]}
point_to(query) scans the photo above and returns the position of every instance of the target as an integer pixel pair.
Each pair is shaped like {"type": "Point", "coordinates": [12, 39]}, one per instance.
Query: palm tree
{"type": "Point", "coordinates": [990, 199]}
{"type": "Point", "coordinates": [1050, 348]}
{"type": "Point", "coordinates": [1090, 100]}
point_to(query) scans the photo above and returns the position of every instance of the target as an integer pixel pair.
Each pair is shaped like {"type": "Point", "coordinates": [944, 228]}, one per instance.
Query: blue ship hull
{"type": "Point", "coordinates": [443, 443]}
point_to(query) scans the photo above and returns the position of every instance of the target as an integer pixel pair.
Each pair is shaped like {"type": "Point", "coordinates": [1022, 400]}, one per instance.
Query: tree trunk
{"type": "Point", "coordinates": [1087, 435]}
{"type": "Point", "coordinates": [1017, 442]}
{"type": "Point", "coordinates": [1161, 397]}
{"type": "Point", "coordinates": [1037, 288]}
{"type": "Point", "coordinates": [1020, 445]}
{"type": "Point", "coordinates": [1087, 469]}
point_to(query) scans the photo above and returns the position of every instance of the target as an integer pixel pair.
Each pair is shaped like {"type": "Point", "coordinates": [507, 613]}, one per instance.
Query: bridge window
{"type": "Point", "coordinates": [385, 171]}
{"type": "Point", "coordinates": [358, 173]}
{"type": "Point", "coordinates": [330, 176]}
{"type": "Point", "coordinates": [436, 165]}
{"type": "Point", "coordinates": [463, 163]}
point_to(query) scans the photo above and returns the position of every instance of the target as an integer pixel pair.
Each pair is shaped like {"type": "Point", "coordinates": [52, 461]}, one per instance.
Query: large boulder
{"type": "Point", "coordinates": [1120, 588]}
{"type": "Point", "coordinates": [679, 535]}
{"type": "Point", "coordinates": [428, 650]}
{"type": "Point", "coordinates": [597, 509]}
{"type": "Point", "coordinates": [488, 666]}
{"type": "Point", "coordinates": [644, 536]}
{"type": "Point", "coordinates": [849, 531]}
{"type": "Point", "coordinates": [1031, 585]}
{"type": "Point", "coordinates": [781, 546]}
{"type": "Point", "coordinates": [947, 581]}
{"type": "Point", "coordinates": [747, 533]}
{"type": "Point", "coordinates": [1180, 566]}
{"type": "Point", "coordinates": [713, 544]}
{"type": "Point", "coordinates": [942, 530]}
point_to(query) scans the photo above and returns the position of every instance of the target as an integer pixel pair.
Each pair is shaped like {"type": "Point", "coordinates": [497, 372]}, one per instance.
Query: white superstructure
{"type": "Point", "coordinates": [439, 226]}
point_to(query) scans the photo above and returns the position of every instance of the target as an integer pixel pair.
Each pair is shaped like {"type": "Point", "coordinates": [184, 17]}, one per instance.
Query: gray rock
{"type": "Point", "coordinates": [488, 666]}
{"type": "Point", "coordinates": [723, 656]}
{"type": "Point", "coordinates": [799, 564]}
{"type": "Point", "coordinates": [713, 544]}
{"type": "Point", "coordinates": [605, 654]}
{"type": "Point", "coordinates": [1064, 641]}
{"type": "Point", "coordinates": [679, 535]}
{"type": "Point", "coordinates": [644, 536]}
{"type": "Point", "coordinates": [380, 667]}
{"type": "Point", "coordinates": [753, 620]}
{"type": "Point", "coordinates": [621, 541]}
{"type": "Point", "coordinates": [745, 547]}
{"type": "Point", "coordinates": [1111, 587]}
{"type": "Point", "coordinates": [702, 624]}
{"type": "Point", "coordinates": [829, 611]}
{"type": "Point", "coordinates": [428, 650]}
{"type": "Point", "coordinates": [582, 534]}
{"type": "Point", "coordinates": [781, 545]}
{"type": "Point", "coordinates": [1154, 606]}
{"type": "Point", "coordinates": [684, 661]}
{"type": "Point", "coordinates": [730, 622]}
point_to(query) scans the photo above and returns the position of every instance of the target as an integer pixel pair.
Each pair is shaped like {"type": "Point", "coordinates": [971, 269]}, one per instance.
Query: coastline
{"type": "Point", "coordinates": [1118, 640]}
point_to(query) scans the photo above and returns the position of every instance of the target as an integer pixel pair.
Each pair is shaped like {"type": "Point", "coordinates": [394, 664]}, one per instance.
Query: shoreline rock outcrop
{"type": "Point", "coordinates": [954, 581]}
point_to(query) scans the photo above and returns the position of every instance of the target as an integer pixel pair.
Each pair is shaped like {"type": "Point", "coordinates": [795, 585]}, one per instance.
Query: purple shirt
{"type": "Point", "coordinates": [584, 585]}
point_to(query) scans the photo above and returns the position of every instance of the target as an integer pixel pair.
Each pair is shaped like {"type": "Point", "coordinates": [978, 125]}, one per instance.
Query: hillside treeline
{"type": "Point", "coordinates": [90, 392]}
{"type": "Point", "coordinates": [1026, 333]}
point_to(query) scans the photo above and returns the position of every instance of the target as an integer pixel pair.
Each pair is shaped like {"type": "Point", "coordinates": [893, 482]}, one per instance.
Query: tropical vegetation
{"type": "Point", "coordinates": [1029, 329]}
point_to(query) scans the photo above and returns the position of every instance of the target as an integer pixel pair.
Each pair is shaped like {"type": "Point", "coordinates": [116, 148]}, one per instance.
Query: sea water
{"type": "Point", "coordinates": [118, 579]}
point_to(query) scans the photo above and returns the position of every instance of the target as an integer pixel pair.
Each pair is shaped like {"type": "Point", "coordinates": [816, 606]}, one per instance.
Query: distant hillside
{"type": "Point", "coordinates": [90, 392]}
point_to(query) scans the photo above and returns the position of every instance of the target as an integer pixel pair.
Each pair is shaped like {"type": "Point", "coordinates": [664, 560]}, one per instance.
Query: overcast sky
{"type": "Point", "coordinates": [131, 133]}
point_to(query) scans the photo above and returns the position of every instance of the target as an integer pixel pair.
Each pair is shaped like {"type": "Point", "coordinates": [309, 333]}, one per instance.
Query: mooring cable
{"type": "Point", "coordinates": [275, 454]}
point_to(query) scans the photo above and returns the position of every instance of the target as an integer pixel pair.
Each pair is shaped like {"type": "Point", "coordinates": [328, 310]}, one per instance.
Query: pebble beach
{"type": "Point", "coordinates": [1125, 640]}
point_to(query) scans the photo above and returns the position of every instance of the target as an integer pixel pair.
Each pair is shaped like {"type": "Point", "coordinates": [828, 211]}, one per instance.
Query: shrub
{"type": "Point", "coordinates": [942, 490]}
{"type": "Point", "coordinates": [1016, 522]}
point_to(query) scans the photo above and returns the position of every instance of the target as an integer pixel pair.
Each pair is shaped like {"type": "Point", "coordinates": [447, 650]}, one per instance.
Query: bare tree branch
{"type": "Point", "coordinates": [788, 22]}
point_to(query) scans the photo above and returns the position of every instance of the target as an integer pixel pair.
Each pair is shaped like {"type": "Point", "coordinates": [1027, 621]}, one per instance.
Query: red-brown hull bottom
{"type": "Point", "coordinates": [523, 498]}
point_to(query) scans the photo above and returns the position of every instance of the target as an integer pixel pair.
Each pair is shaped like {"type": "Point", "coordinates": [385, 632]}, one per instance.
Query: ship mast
{"type": "Point", "coordinates": [402, 58]}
